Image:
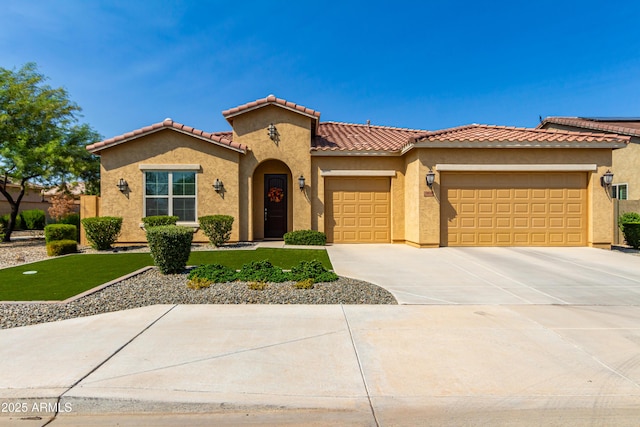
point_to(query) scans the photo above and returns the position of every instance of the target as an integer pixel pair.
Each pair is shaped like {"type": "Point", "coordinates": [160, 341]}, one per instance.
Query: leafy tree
{"type": "Point", "coordinates": [40, 138]}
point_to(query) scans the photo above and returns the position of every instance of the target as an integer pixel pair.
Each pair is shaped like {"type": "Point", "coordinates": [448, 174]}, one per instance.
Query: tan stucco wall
{"type": "Point", "coordinates": [167, 147]}
{"type": "Point", "coordinates": [625, 168]}
{"type": "Point", "coordinates": [625, 161]}
{"type": "Point", "coordinates": [423, 217]}
{"type": "Point", "coordinates": [359, 163]}
{"type": "Point", "coordinates": [291, 150]}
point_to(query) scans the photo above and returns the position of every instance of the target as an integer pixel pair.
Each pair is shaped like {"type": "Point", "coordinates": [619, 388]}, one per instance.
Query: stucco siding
{"type": "Point", "coordinates": [625, 161]}
{"type": "Point", "coordinates": [167, 148]}
{"type": "Point", "coordinates": [291, 148]}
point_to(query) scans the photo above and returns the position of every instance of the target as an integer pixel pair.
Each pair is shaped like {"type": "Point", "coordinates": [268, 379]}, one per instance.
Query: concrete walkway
{"type": "Point", "coordinates": [327, 365]}
{"type": "Point", "coordinates": [504, 275]}
{"type": "Point", "coordinates": [492, 346]}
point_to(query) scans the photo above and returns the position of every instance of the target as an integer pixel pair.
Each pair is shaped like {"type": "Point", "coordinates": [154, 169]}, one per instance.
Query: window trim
{"type": "Point", "coordinates": [170, 196]}
{"type": "Point", "coordinates": [615, 191]}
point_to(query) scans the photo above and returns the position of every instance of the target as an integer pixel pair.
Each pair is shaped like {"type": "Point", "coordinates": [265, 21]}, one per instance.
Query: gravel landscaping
{"type": "Point", "coordinates": [151, 287]}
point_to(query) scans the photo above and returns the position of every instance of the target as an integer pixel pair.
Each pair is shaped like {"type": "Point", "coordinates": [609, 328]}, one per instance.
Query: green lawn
{"type": "Point", "coordinates": [64, 277]}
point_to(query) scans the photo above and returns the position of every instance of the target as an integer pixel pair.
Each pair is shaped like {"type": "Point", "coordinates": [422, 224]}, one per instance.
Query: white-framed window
{"type": "Point", "coordinates": [170, 193]}
{"type": "Point", "coordinates": [619, 191]}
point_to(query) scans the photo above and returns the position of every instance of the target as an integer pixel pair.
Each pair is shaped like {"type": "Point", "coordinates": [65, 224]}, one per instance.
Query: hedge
{"type": "Point", "coordinates": [170, 247]}
{"type": "Point", "coordinates": [103, 231]}
{"type": "Point", "coordinates": [57, 232]}
{"type": "Point", "coordinates": [33, 219]}
{"type": "Point", "coordinates": [62, 247]}
{"type": "Point", "coordinates": [305, 237]}
{"type": "Point", "coordinates": [631, 231]}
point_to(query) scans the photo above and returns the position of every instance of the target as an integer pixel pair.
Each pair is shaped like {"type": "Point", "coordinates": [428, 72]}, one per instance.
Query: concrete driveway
{"type": "Point", "coordinates": [583, 276]}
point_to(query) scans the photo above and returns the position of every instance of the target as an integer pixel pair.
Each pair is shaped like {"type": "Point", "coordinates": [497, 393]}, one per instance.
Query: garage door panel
{"type": "Point", "coordinates": [516, 209]}
{"type": "Point", "coordinates": [360, 211]}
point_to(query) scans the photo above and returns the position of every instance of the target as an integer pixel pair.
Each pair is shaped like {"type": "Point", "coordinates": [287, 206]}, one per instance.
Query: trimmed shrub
{"type": "Point", "coordinates": [170, 247]}
{"type": "Point", "coordinates": [34, 219]}
{"type": "Point", "coordinates": [57, 232]}
{"type": "Point", "coordinates": [158, 220]}
{"type": "Point", "coordinates": [1, 232]}
{"type": "Point", "coordinates": [628, 217]}
{"type": "Point", "coordinates": [217, 228]}
{"type": "Point", "coordinates": [631, 231]}
{"type": "Point", "coordinates": [62, 247]}
{"type": "Point", "coordinates": [305, 237]}
{"type": "Point", "coordinates": [102, 231]}
{"type": "Point", "coordinates": [74, 219]}
{"type": "Point", "coordinates": [312, 270]}
{"type": "Point", "coordinates": [261, 271]}
{"type": "Point", "coordinates": [215, 272]}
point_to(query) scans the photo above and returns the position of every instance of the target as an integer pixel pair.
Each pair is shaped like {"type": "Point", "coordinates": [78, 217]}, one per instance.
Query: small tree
{"type": "Point", "coordinates": [40, 140]}
{"type": "Point", "coordinates": [62, 204]}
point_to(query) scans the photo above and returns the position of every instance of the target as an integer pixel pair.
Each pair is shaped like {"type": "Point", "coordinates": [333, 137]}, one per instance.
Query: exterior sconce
{"type": "Point", "coordinates": [218, 185]}
{"type": "Point", "coordinates": [606, 179]}
{"type": "Point", "coordinates": [301, 182]}
{"type": "Point", "coordinates": [431, 176]}
{"type": "Point", "coordinates": [273, 132]}
{"type": "Point", "coordinates": [123, 186]}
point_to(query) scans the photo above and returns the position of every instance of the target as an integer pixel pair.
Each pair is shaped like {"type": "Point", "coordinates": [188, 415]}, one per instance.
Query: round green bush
{"type": "Point", "coordinates": [62, 247]}
{"type": "Point", "coordinates": [217, 228]}
{"type": "Point", "coordinates": [170, 247]}
{"type": "Point", "coordinates": [631, 232]}
{"type": "Point", "coordinates": [158, 220]}
{"type": "Point", "coordinates": [56, 232]}
{"type": "Point", "coordinates": [103, 231]}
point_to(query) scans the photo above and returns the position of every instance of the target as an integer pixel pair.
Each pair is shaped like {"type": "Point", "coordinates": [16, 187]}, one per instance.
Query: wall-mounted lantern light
{"type": "Point", "coordinates": [123, 186]}
{"type": "Point", "coordinates": [431, 176]}
{"type": "Point", "coordinates": [606, 179]}
{"type": "Point", "coordinates": [218, 186]}
{"type": "Point", "coordinates": [273, 132]}
{"type": "Point", "coordinates": [301, 182]}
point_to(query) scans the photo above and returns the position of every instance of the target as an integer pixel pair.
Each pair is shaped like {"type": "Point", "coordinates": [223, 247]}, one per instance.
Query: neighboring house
{"type": "Point", "coordinates": [626, 163]}
{"type": "Point", "coordinates": [281, 169]}
{"type": "Point", "coordinates": [34, 198]}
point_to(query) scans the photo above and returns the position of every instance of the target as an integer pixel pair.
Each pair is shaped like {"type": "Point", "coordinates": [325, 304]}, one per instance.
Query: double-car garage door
{"type": "Point", "coordinates": [476, 209]}
{"type": "Point", "coordinates": [514, 209]}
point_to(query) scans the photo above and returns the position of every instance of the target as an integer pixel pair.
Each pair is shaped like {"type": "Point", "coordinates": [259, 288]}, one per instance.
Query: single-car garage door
{"type": "Point", "coordinates": [358, 209]}
{"type": "Point", "coordinates": [514, 209]}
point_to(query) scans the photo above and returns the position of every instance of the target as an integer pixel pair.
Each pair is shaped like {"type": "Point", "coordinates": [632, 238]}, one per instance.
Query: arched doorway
{"type": "Point", "coordinates": [272, 207]}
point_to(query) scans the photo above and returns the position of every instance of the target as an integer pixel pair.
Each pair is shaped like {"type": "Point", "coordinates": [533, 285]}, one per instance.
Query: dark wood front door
{"type": "Point", "coordinates": [275, 205]}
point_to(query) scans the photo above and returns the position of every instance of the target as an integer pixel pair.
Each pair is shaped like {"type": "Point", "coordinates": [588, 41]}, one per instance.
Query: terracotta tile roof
{"type": "Point", "coordinates": [621, 126]}
{"type": "Point", "coordinates": [219, 138]}
{"type": "Point", "coordinates": [269, 100]}
{"type": "Point", "coordinates": [499, 135]}
{"type": "Point", "coordinates": [336, 136]}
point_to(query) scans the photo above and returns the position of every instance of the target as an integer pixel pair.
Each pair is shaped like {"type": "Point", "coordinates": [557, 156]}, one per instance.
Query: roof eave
{"type": "Point", "coordinates": [95, 148]}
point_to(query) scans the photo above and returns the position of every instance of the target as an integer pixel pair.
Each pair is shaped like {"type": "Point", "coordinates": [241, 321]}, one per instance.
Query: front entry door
{"type": "Point", "coordinates": [275, 205]}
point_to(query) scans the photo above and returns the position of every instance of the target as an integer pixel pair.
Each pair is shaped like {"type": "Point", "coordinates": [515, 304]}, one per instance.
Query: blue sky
{"type": "Point", "coordinates": [424, 64]}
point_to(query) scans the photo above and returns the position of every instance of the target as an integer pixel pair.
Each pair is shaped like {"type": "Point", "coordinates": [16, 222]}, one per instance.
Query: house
{"type": "Point", "coordinates": [282, 169]}
{"type": "Point", "coordinates": [626, 178]}
{"type": "Point", "coordinates": [35, 197]}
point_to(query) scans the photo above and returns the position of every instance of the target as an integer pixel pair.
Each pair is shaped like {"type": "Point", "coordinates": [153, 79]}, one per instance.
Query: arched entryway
{"type": "Point", "coordinates": [272, 194]}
